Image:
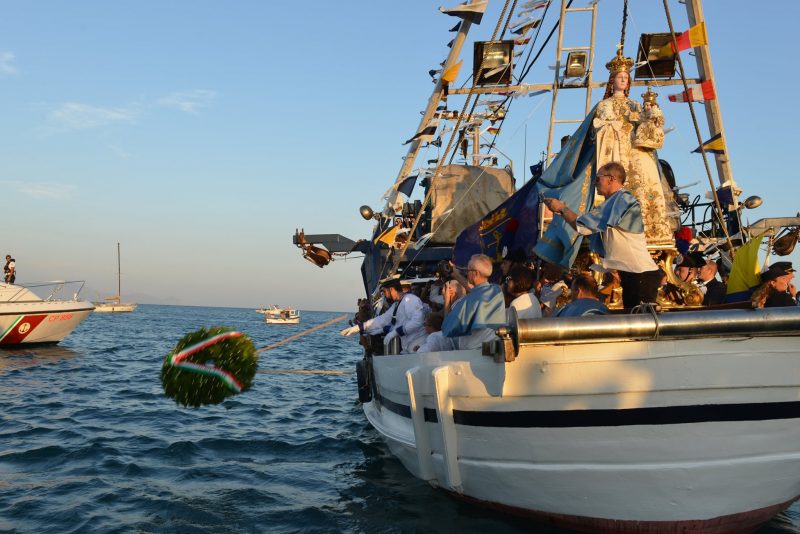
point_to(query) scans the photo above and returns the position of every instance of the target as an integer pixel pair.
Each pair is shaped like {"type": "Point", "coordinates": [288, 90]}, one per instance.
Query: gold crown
{"type": "Point", "coordinates": [649, 96]}
{"type": "Point", "coordinates": [619, 64]}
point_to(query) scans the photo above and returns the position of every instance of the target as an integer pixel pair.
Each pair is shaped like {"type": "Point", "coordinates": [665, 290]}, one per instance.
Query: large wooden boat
{"type": "Point", "coordinates": [674, 419]}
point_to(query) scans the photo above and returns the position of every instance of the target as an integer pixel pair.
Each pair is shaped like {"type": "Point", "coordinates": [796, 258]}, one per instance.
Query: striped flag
{"type": "Point", "coordinates": [534, 4]}
{"type": "Point", "coordinates": [472, 12]}
{"type": "Point", "coordinates": [524, 26]}
{"type": "Point", "coordinates": [426, 134]}
{"type": "Point", "coordinates": [493, 130]}
{"type": "Point", "coordinates": [715, 145]}
{"type": "Point", "coordinates": [694, 36]}
{"type": "Point", "coordinates": [520, 42]}
{"type": "Point", "coordinates": [704, 91]}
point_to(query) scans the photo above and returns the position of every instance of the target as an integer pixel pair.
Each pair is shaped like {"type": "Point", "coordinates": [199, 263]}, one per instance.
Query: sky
{"type": "Point", "coordinates": [200, 134]}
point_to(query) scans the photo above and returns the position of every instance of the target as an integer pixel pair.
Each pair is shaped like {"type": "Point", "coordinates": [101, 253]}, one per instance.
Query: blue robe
{"type": "Point", "coordinates": [482, 307]}
{"type": "Point", "coordinates": [580, 307]}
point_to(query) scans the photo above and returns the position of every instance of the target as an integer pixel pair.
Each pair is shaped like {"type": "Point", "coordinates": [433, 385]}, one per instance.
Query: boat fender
{"type": "Point", "coordinates": [362, 374]}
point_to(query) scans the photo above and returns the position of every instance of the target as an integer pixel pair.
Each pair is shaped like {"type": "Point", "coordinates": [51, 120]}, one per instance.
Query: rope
{"type": "Point", "coordinates": [305, 332]}
{"type": "Point", "coordinates": [304, 372]}
{"type": "Point", "coordinates": [624, 24]}
{"type": "Point", "coordinates": [697, 132]}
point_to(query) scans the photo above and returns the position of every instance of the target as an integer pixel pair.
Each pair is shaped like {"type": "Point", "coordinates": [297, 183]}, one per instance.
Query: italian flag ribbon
{"type": "Point", "coordinates": [177, 360]}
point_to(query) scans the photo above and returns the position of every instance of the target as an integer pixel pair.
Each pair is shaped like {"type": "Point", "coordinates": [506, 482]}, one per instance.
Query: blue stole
{"type": "Point", "coordinates": [482, 307]}
{"type": "Point", "coordinates": [621, 210]}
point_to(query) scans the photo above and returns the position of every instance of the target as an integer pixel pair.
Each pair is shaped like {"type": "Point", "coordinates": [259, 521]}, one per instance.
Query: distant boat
{"type": "Point", "coordinates": [114, 303]}
{"type": "Point", "coordinates": [277, 315]}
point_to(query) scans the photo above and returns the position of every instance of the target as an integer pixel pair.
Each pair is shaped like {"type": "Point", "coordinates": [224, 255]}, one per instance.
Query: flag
{"type": "Point", "coordinates": [434, 72]}
{"type": "Point", "coordinates": [535, 4]}
{"type": "Point", "coordinates": [450, 75]}
{"type": "Point", "coordinates": [407, 185]}
{"type": "Point", "coordinates": [715, 145]}
{"type": "Point", "coordinates": [745, 272]}
{"type": "Point", "coordinates": [388, 236]}
{"type": "Point", "coordinates": [493, 131]}
{"type": "Point", "coordinates": [471, 12]}
{"type": "Point", "coordinates": [694, 36]}
{"type": "Point", "coordinates": [426, 134]}
{"type": "Point", "coordinates": [450, 44]}
{"type": "Point", "coordinates": [455, 28]}
{"type": "Point", "coordinates": [536, 170]}
{"type": "Point", "coordinates": [524, 26]}
{"type": "Point", "coordinates": [520, 42]}
{"type": "Point", "coordinates": [703, 91]}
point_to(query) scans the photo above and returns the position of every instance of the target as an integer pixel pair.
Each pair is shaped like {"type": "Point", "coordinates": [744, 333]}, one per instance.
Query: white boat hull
{"type": "Point", "coordinates": [123, 307]}
{"type": "Point", "coordinates": [278, 320]}
{"type": "Point", "coordinates": [23, 323]}
{"type": "Point", "coordinates": [627, 436]}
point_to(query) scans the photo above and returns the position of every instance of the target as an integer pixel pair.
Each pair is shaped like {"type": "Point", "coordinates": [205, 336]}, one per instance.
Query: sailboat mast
{"type": "Point", "coordinates": [119, 275]}
{"type": "Point", "coordinates": [427, 116]}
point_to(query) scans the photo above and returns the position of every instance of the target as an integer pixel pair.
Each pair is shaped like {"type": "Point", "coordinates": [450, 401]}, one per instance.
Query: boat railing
{"type": "Point", "coordinates": [56, 286]}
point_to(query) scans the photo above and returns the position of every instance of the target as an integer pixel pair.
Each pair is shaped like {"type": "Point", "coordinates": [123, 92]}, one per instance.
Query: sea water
{"type": "Point", "coordinates": [89, 442]}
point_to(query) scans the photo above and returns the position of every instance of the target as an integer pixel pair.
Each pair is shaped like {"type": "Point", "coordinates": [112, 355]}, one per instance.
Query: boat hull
{"type": "Point", "coordinates": [24, 323]}
{"type": "Point", "coordinates": [636, 436]}
{"type": "Point", "coordinates": [114, 308]}
{"type": "Point", "coordinates": [272, 320]}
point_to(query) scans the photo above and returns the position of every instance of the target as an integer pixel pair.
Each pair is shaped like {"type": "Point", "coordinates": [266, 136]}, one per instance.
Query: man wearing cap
{"type": "Point", "coordinates": [713, 290]}
{"type": "Point", "coordinates": [473, 318]}
{"type": "Point", "coordinates": [403, 318]}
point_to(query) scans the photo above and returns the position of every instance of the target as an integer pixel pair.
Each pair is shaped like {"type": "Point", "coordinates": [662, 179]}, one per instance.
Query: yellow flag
{"type": "Point", "coordinates": [450, 75]}
{"type": "Point", "coordinates": [745, 270]}
{"type": "Point", "coordinates": [388, 236]}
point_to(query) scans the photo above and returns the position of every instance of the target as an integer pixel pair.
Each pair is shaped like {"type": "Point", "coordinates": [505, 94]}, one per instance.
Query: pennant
{"type": "Point", "coordinates": [521, 42]}
{"type": "Point", "coordinates": [536, 170]}
{"type": "Point", "coordinates": [470, 12]}
{"type": "Point", "coordinates": [433, 73]}
{"type": "Point", "coordinates": [388, 236]}
{"type": "Point", "coordinates": [694, 36]}
{"type": "Point", "coordinates": [715, 145]}
{"type": "Point", "coordinates": [437, 142]}
{"type": "Point", "coordinates": [703, 91]}
{"type": "Point", "coordinates": [493, 131]}
{"type": "Point", "coordinates": [745, 272]}
{"type": "Point", "coordinates": [427, 133]}
{"type": "Point", "coordinates": [450, 44]}
{"type": "Point", "coordinates": [450, 75]}
{"type": "Point", "coordinates": [524, 26]}
{"type": "Point", "coordinates": [407, 185]}
{"type": "Point", "coordinates": [455, 28]}
{"type": "Point", "coordinates": [534, 4]}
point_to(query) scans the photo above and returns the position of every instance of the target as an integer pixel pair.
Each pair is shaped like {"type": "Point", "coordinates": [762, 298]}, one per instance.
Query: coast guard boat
{"type": "Point", "coordinates": [26, 318]}
{"type": "Point", "coordinates": [676, 419]}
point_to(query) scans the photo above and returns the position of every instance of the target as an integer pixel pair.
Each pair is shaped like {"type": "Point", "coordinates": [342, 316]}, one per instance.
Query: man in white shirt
{"type": "Point", "coordinates": [617, 233]}
{"type": "Point", "coordinates": [403, 318]}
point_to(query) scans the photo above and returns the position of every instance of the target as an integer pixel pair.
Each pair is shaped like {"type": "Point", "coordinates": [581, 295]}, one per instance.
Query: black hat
{"type": "Point", "coordinates": [392, 283]}
{"type": "Point", "coordinates": [515, 256]}
{"type": "Point", "coordinates": [780, 268]}
{"type": "Point", "coordinates": [692, 259]}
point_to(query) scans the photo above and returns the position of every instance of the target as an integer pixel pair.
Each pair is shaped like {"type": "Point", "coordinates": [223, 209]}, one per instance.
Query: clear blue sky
{"type": "Point", "coordinates": [200, 134]}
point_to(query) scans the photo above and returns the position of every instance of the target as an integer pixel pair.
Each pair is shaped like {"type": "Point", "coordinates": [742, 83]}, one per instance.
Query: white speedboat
{"type": "Point", "coordinates": [677, 418]}
{"type": "Point", "coordinates": [26, 318]}
{"type": "Point", "coordinates": [114, 303]}
{"type": "Point", "coordinates": [277, 315]}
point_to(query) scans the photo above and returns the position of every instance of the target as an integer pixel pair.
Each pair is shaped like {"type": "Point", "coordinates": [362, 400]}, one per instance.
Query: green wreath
{"type": "Point", "coordinates": [209, 365]}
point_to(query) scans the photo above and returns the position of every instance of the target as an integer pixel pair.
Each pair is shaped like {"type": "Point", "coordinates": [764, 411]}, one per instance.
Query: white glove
{"type": "Point", "coordinates": [391, 335]}
{"type": "Point", "coordinates": [349, 331]}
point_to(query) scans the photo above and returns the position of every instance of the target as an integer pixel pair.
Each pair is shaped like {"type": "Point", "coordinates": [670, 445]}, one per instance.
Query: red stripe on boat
{"type": "Point", "coordinates": [25, 326]}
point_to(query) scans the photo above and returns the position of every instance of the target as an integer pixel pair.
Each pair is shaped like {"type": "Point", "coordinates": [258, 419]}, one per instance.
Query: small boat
{"type": "Point", "coordinates": [277, 315]}
{"type": "Point", "coordinates": [26, 318]}
{"type": "Point", "coordinates": [114, 304]}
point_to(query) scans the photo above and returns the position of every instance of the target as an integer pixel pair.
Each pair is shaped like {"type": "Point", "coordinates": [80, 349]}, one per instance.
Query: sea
{"type": "Point", "coordinates": [90, 443]}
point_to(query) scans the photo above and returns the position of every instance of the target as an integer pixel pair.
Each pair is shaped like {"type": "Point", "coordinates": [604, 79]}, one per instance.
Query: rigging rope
{"type": "Point", "coordinates": [624, 24]}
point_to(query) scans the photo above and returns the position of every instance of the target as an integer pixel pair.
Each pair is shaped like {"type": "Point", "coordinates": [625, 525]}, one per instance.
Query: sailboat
{"type": "Point", "coordinates": [667, 418]}
{"type": "Point", "coordinates": [114, 304]}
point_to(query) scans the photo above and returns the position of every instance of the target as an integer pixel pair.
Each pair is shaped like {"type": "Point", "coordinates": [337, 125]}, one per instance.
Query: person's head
{"type": "Point", "coordinates": [779, 275]}
{"type": "Point", "coordinates": [519, 280]}
{"type": "Point", "coordinates": [392, 290]}
{"type": "Point", "coordinates": [707, 271]}
{"type": "Point", "coordinates": [610, 178]}
{"type": "Point", "coordinates": [649, 99]}
{"type": "Point", "coordinates": [8, 257]}
{"type": "Point", "coordinates": [619, 78]}
{"type": "Point", "coordinates": [433, 322]}
{"type": "Point", "coordinates": [513, 257]}
{"type": "Point", "coordinates": [584, 286]}
{"type": "Point", "coordinates": [479, 269]}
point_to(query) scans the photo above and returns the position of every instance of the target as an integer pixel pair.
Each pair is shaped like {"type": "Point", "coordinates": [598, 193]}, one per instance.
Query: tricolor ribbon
{"type": "Point", "coordinates": [177, 360]}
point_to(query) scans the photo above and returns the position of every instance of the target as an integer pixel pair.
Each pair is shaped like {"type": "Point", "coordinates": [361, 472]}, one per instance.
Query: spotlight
{"type": "Point", "coordinates": [753, 202]}
{"type": "Point", "coordinates": [576, 65]}
{"type": "Point", "coordinates": [366, 212]}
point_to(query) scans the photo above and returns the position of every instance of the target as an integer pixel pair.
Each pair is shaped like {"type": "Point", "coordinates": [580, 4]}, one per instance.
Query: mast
{"type": "Point", "coordinates": [427, 116]}
{"type": "Point", "coordinates": [694, 10]}
{"type": "Point", "coordinates": [119, 275]}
